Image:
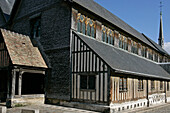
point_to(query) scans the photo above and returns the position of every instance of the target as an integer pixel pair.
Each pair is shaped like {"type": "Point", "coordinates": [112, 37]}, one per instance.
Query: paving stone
{"type": "Point", "coordinates": [44, 108]}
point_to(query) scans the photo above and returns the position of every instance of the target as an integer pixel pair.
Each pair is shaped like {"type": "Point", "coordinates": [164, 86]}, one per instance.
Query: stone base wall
{"type": "Point", "coordinates": [27, 100]}
{"type": "Point", "coordinates": [115, 107]}
{"type": "Point", "coordinates": [153, 99]}
{"type": "Point", "coordinates": [156, 98]}
{"type": "Point", "coordinates": [87, 106]}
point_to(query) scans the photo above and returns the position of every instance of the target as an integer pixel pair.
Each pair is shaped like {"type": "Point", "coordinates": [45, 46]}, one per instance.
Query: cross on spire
{"type": "Point", "coordinates": [161, 8]}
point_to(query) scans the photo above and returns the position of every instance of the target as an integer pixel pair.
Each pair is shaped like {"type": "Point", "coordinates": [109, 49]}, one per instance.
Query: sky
{"type": "Point", "coordinates": [142, 15]}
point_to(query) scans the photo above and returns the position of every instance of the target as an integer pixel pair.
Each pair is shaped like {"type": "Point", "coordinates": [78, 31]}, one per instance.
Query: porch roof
{"type": "Point", "coordinates": [123, 62]}
{"type": "Point", "coordinates": [21, 50]}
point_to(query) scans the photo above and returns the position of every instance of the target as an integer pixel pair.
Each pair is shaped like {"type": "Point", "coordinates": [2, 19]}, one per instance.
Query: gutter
{"type": "Point", "coordinates": [140, 74]}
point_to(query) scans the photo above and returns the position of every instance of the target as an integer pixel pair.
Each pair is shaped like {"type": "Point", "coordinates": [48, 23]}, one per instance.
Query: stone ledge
{"type": "Point", "coordinates": [29, 110]}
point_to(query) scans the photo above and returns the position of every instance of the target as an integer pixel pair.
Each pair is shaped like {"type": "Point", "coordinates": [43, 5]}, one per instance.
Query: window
{"type": "Point", "coordinates": [132, 47]}
{"type": "Point", "coordinates": [135, 48]}
{"type": "Point", "coordinates": [152, 84]}
{"type": "Point", "coordinates": [87, 82]}
{"type": "Point", "coordinates": [143, 51]}
{"type": "Point", "coordinates": [104, 35]}
{"type": "Point", "coordinates": [150, 54]}
{"type": "Point", "coordinates": [125, 44]}
{"type": "Point", "coordinates": [85, 25]}
{"type": "Point", "coordinates": [122, 84]}
{"type": "Point", "coordinates": [35, 27]}
{"type": "Point", "coordinates": [120, 42]}
{"type": "Point", "coordinates": [161, 85]}
{"type": "Point", "coordinates": [156, 57]}
{"type": "Point", "coordinates": [140, 84]}
{"type": "Point", "coordinates": [107, 35]}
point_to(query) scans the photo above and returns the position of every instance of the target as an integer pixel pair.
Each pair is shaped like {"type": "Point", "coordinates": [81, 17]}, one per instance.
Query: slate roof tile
{"type": "Point", "coordinates": [122, 61]}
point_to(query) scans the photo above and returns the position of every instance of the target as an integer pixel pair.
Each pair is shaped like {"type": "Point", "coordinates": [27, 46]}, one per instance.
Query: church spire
{"type": "Point", "coordinates": [161, 37]}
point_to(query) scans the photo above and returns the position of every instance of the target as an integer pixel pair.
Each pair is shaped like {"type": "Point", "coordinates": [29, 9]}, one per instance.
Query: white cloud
{"type": "Point", "coordinates": [167, 47]}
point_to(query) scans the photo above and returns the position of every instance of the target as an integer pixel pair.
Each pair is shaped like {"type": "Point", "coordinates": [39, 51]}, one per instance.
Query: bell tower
{"type": "Point", "coordinates": [161, 36]}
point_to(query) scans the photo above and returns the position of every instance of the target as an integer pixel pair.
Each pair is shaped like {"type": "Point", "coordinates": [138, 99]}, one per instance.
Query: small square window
{"type": "Point", "coordinates": [140, 84]}
{"type": "Point", "coordinates": [152, 84]}
{"type": "Point", "coordinates": [88, 82]}
{"type": "Point", "coordinates": [161, 85]}
{"type": "Point", "coordinates": [122, 84]}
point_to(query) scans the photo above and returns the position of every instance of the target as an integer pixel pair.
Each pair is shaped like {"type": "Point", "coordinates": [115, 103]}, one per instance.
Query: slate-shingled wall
{"type": "Point", "coordinates": [54, 42]}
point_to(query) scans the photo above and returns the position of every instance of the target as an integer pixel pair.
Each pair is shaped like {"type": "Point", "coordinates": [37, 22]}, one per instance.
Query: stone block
{"type": "Point", "coordinates": [30, 111]}
{"type": "Point", "coordinates": [2, 109]}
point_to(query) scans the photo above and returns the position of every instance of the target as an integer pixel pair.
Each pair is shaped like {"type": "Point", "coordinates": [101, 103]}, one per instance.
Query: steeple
{"type": "Point", "coordinates": [161, 36]}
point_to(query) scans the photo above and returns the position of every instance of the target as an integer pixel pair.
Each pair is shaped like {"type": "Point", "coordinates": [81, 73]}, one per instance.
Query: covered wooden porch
{"type": "Point", "coordinates": [22, 70]}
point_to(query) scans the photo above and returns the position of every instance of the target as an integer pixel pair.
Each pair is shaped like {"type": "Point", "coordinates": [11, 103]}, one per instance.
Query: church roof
{"type": "Point", "coordinates": [21, 50]}
{"type": "Point", "coordinates": [156, 45]}
{"type": "Point", "coordinates": [105, 14]}
{"type": "Point", "coordinates": [124, 62]}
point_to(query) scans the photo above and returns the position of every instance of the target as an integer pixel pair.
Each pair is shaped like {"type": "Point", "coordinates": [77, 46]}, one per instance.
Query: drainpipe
{"type": "Point", "coordinates": [147, 92]}
{"type": "Point", "coordinates": [165, 91]}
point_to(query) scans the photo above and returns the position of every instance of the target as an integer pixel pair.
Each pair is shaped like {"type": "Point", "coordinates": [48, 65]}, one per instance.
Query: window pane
{"type": "Point", "coordinates": [125, 84]}
{"type": "Point", "coordinates": [120, 84]}
{"type": "Point", "coordinates": [88, 30]}
{"type": "Point", "coordinates": [112, 40]}
{"type": "Point", "coordinates": [152, 84]}
{"type": "Point", "coordinates": [108, 39]}
{"type": "Point", "coordinates": [103, 36]}
{"type": "Point", "coordinates": [83, 28]}
{"type": "Point", "coordinates": [120, 43]}
{"type": "Point", "coordinates": [161, 85]}
{"type": "Point", "coordinates": [78, 26]}
{"type": "Point", "coordinates": [83, 82]}
{"type": "Point", "coordinates": [92, 82]}
{"type": "Point", "coordinates": [92, 31]}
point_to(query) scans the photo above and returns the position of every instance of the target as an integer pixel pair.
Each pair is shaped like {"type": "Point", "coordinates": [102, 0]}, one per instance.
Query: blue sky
{"type": "Point", "coordinates": [143, 15]}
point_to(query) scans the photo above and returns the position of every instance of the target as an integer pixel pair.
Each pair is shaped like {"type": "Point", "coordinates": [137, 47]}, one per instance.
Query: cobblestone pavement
{"type": "Point", "coordinates": [49, 109]}
{"type": "Point", "coordinates": [159, 108]}
{"type": "Point", "coordinates": [44, 108]}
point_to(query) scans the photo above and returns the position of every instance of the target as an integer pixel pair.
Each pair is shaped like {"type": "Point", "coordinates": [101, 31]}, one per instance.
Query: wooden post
{"type": "Point", "coordinates": [13, 83]}
{"type": "Point", "coordinates": [20, 83]}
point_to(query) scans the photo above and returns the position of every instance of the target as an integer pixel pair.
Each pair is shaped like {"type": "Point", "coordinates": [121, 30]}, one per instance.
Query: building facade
{"type": "Point", "coordinates": [96, 60]}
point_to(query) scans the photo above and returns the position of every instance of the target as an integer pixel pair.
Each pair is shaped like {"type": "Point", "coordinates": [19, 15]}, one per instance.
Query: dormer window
{"type": "Point", "coordinates": [120, 42]}
{"type": "Point", "coordinates": [107, 35]}
{"type": "Point", "coordinates": [35, 27]}
{"type": "Point", "coordinates": [85, 25]}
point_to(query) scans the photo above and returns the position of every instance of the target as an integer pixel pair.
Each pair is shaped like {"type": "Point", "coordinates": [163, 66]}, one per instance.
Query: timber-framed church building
{"type": "Point", "coordinates": [76, 53]}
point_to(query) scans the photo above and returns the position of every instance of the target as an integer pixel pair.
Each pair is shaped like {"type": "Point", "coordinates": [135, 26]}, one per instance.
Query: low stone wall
{"type": "Point", "coordinates": [27, 100]}
{"type": "Point", "coordinates": [115, 107]}
{"type": "Point", "coordinates": [86, 106]}
{"type": "Point", "coordinates": [153, 99]}
{"type": "Point", "coordinates": [156, 98]}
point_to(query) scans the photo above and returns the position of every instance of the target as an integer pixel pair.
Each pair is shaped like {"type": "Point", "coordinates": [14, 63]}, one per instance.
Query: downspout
{"type": "Point", "coordinates": [147, 92]}
{"type": "Point", "coordinates": [165, 91]}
